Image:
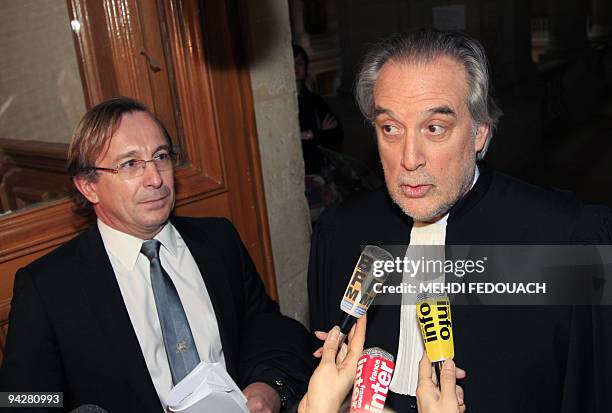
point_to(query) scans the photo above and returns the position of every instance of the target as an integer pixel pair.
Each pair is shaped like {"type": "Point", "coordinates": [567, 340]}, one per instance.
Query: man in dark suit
{"type": "Point", "coordinates": [428, 98]}
{"type": "Point", "coordinates": [121, 313]}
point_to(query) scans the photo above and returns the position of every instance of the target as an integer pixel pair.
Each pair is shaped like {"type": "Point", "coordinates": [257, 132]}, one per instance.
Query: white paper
{"type": "Point", "coordinates": [208, 388]}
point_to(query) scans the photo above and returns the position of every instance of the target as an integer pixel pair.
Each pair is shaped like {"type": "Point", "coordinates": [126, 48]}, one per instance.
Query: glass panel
{"type": "Point", "coordinates": [41, 100]}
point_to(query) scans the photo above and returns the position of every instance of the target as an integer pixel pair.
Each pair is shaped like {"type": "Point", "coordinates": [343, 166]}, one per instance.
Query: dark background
{"type": "Point", "coordinates": [551, 67]}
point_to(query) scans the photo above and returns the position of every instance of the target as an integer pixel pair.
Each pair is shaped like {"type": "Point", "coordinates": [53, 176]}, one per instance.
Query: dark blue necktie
{"type": "Point", "coordinates": [178, 340]}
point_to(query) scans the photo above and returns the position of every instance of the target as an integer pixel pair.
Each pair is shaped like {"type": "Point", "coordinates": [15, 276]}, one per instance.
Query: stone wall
{"type": "Point", "coordinates": [268, 37]}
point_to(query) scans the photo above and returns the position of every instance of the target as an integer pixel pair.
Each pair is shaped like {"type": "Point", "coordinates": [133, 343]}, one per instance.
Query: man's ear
{"type": "Point", "coordinates": [482, 134]}
{"type": "Point", "coordinates": [86, 187]}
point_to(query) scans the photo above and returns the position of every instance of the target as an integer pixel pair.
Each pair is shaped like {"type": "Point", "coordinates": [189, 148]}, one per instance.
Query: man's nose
{"type": "Point", "coordinates": [151, 176]}
{"type": "Point", "coordinates": [413, 156]}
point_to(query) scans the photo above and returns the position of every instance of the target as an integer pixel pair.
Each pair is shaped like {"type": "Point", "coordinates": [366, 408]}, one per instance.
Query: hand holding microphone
{"type": "Point", "coordinates": [437, 390]}
{"type": "Point", "coordinates": [333, 378]}
{"type": "Point", "coordinates": [444, 396]}
{"type": "Point", "coordinates": [434, 316]}
{"type": "Point", "coordinates": [360, 292]}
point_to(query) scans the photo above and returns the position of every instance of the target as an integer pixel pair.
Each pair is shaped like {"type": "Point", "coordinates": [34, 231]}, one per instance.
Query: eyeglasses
{"type": "Point", "coordinates": [136, 167]}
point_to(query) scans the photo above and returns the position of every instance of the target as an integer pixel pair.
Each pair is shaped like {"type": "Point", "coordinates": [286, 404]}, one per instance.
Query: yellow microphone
{"type": "Point", "coordinates": [434, 315]}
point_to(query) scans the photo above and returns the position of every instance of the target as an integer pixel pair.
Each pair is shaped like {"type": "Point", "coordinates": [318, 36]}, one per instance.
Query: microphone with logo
{"type": "Point", "coordinates": [372, 380]}
{"type": "Point", "coordinates": [434, 315]}
{"type": "Point", "coordinates": [360, 291]}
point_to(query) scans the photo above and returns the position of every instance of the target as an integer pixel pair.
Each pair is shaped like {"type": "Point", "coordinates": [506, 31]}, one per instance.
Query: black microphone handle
{"type": "Point", "coordinates": [345, 327]}
{"type": "Point", "coordinates": [437, 365]}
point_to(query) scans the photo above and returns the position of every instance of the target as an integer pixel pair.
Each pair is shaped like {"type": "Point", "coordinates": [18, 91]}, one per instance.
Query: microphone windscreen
{"type": "Point", "coordinates": [372, 380]}
{"type": "Point", "coordinates": [368, 272]}
{"type": "Point", "coordinates": [433, 307]}
{"type": "Point", "coordinates": [434, 317]}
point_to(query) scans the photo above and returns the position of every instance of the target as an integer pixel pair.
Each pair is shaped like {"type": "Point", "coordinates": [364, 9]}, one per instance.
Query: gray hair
{"type": "Point", "coordinates": [424, 46]}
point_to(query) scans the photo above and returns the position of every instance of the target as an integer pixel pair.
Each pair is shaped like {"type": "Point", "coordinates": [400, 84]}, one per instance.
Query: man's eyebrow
{"type": "Point", "coordinates": [125, 155]}
{"type": "Point", "coordinates": [160, 147]}
{"type": "Point", "coordinates": [442, 110]}
{"type": "Point", "coordinates": [382, 111]}
{"type": "Point", "coordinates": [133, 153]}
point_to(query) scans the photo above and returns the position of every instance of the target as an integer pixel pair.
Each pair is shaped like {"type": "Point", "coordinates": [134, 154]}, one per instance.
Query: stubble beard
{"type": "Point", "coordinates": [462, 186]}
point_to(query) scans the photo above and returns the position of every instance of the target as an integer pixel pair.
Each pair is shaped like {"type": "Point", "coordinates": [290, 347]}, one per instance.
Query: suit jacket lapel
{"type": "Point", "coordinates": [214, 274]}
{"type": "Point", "coordinates": [102, 291]}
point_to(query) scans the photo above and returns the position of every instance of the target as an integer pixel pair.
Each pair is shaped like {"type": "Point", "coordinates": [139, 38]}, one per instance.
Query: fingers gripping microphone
{"type": "Point", "coordinates": [372, 380]}
{"type": "Point", "coordinates": [361, 290]}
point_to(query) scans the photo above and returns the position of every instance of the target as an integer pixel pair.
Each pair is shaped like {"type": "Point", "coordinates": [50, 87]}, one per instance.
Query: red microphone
{"type": "Point", "coordinates": [372, 380]}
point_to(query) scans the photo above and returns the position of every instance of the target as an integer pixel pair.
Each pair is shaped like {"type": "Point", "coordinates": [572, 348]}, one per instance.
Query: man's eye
{"type": "Point", "coordinates": [390, 129]}
{"type": "Point", "coordinates": [435, 129]}
{"type": "Point", "coordinates": [132, 163]}
{"type": "Point", "coordinates": [162, 157]}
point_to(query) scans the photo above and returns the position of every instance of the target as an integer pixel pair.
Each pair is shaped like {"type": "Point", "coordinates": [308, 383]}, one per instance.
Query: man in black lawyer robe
{"type": "Point", "coordinates": [427, 95]}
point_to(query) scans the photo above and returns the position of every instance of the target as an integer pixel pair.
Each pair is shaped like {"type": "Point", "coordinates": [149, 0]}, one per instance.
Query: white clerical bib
{"type": "Point", "coordinates": [410, 349]}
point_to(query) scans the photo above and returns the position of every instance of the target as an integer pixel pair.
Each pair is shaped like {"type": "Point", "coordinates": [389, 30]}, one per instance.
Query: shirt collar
{"type": "Point", "coordinates": [476, 175]}
{"type": "Point", "coordinates": [126, 248]}
{"type": "Point", "coordinates": [169, 239]}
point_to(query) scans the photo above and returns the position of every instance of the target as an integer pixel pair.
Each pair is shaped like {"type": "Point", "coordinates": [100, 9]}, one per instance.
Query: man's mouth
{"type": "Point", "coordinates": [418, 191]}
{"type": "Point", "coordinates": [154, 200]}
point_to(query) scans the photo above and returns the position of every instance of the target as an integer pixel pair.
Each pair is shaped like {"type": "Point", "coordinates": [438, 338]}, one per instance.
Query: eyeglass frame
{"type": "Point", "coordinates": [116, 171]}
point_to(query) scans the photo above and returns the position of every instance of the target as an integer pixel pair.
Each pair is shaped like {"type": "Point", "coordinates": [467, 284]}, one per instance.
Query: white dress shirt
{"type": "Point", "coordinates": [132, 272]}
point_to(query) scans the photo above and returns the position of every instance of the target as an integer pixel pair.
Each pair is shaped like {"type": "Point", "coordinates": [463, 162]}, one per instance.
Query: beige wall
{"type": "Point", "coordinates": [41, 97]}
{"type": "Point", "coordinates": [273, 82]}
